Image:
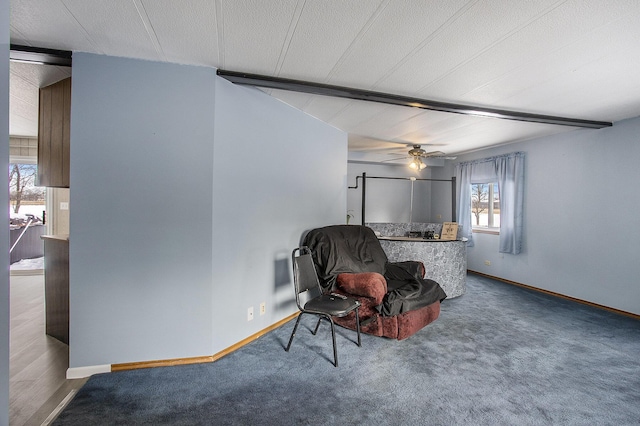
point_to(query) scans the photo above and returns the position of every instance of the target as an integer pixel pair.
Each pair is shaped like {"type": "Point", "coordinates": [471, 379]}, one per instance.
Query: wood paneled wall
{"type": "Point", "coordinates": [54, 134]}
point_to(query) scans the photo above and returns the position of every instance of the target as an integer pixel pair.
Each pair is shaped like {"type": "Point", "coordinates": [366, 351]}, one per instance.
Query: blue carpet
{"type": "Point", "coordinates": [499, 355]}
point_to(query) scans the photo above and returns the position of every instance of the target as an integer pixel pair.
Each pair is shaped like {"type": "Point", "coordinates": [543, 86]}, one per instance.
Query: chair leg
{"type": "Point", "coordinates": [317, 326]}
{"type": "Point", "coordinates": [333, 334]}
{"type": "Point", "coordinates": [333, 337]}
{"type": "Point", "coordinates": [358, 327]}
{"type": "Point", "coordinates": [293, 333]}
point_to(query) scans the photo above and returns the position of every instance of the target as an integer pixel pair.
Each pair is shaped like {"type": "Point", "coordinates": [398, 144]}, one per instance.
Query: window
{"type": "Point", "coordinates": [485, 206]}
{"type": "Point", "coordinates": [508, 171]}
{"type": "Point", "coordinates": [25, 198]}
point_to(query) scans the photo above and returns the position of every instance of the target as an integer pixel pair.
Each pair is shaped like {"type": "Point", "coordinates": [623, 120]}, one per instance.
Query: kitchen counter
{"type": "Point", "coordinates": [445, 261]}
{"type": "Point", "coordinates": [56, 286]}
{"type": "Point", "coordinates": [417, 239]}
{"type": "Point", "coordinates": [63, 237]}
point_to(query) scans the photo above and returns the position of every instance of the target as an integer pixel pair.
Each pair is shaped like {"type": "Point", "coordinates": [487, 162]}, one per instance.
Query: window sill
{"type": "Point", "coordinates": [494, 231]}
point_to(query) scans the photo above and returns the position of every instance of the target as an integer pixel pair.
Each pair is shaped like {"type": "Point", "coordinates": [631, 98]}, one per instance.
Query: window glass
{"type": "Point", "coordinates": [485, 206]}
{"type": "Point", "coordinates": [24, 197]}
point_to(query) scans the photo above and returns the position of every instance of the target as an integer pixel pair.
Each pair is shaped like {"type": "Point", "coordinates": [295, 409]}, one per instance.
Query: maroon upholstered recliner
{"type": "Point", "coordinates": [396, 300]}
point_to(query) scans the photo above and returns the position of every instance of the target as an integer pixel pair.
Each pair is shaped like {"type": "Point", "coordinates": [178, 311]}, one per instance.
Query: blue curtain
{"type": "Point", "coordinates": [508, 171]}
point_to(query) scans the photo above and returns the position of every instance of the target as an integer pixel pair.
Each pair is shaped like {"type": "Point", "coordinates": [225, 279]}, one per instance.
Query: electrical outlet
{"type": "Point", "coordinates": [263, 308]}
{"type": "Point", "coordinates": [250, 313]}
{"type": "Point", "coordinates": [487, 262]}
{"type": "Point", "coordinates": [439, 216]}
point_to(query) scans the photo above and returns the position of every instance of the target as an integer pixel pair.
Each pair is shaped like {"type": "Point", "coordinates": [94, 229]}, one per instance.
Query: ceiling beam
{"type": "Point", "coordinates": [367, 95]}
{"type": "Point", "coordinates": [40, 55]}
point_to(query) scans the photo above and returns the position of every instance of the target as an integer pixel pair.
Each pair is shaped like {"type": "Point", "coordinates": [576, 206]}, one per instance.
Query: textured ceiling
{"type": "Point", "coordinates": [576, 59]}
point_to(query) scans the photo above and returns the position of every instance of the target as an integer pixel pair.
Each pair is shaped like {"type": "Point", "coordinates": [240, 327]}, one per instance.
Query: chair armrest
{"type": "Point", "coordinates": [414, 268]}
{"type": "Point", "coordinates": [366, 284]}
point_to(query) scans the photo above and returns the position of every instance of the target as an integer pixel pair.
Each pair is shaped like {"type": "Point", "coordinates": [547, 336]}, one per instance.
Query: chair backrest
{"type": "Point", "coordinates": [304, 274]}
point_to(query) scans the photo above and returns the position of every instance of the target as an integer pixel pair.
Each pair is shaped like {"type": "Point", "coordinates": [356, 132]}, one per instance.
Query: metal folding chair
{"type": "Point", "coordinates": [325, 306]}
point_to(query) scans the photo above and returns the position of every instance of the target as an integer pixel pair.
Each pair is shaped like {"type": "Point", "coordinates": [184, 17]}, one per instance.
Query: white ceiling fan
{"type": "Point", "coordinates": [416, 154]}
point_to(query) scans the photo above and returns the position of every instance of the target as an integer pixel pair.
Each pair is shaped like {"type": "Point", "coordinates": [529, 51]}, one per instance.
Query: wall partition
{"type": "Point", "coordinates": [4, 221]}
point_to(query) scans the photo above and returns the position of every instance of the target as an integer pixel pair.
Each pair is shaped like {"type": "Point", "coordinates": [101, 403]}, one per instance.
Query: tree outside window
{"type": "Point", "coordinates": [485, 205]}
{"type": "Point", "coordinates": [22, 189]}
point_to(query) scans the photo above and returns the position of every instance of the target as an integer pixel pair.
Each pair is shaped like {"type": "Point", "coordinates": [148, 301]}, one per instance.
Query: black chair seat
{"type": "Point", "coordinates": [336, 306]}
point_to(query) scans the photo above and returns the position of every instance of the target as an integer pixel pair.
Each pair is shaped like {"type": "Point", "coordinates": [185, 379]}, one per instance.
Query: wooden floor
{"type": "Point", "coordinates": [37, 363]}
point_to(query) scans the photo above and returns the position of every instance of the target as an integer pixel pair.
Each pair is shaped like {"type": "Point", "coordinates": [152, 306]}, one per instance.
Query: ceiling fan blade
{"type": "Point", "coordinates": [433, 154]}
{"type": "Point", "coordinates": [437, 154]}
{"type": "Point", "coordinates": [364, 143]}
{"type": "Point", "coordinates": [395, 159]}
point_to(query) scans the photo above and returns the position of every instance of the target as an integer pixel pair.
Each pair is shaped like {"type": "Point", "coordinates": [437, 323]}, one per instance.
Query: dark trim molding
{"type": "Point", "coordinates": [560, 295]}
{"type": "Point", "coordinates": [40, 55]}
{"type": "Point", "coordinates": [367, 95]}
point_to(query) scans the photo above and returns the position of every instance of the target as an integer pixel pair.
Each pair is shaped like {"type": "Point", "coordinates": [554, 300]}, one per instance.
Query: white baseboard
{"type": "Point", "coordinates": [82, 372]}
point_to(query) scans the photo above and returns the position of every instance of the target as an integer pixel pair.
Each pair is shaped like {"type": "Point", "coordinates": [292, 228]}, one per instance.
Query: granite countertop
{"type": "Point", "coordinates": [61, 237]}
{"type": "Point", "coordinates": [399, 238]}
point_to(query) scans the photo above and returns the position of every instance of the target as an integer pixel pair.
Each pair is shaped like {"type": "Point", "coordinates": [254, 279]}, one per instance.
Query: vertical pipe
{"type": "Point", "coordinates": [411, 202]}
{"type": "Point", "coordinates": [364, 194]}
{"type": "Point", "coordinates": [453, 199]}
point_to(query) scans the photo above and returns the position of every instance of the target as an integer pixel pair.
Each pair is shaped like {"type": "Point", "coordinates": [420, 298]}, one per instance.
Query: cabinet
{"type": "Point", "coordinates": [56, 286]}
{"type": "Point", "coordinates": [54, 134]}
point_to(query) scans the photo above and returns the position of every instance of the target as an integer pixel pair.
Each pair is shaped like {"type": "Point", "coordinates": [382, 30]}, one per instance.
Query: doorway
{"type": "Point", "coordinates": [37, 362]}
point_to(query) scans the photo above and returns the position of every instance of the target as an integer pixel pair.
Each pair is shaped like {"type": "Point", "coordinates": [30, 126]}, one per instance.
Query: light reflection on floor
{"type": "Point", "coordinates": [28, 264]}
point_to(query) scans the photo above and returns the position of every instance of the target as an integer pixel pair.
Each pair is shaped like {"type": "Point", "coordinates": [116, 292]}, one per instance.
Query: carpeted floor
{"type": "Point", "coordinates": [499, 355]}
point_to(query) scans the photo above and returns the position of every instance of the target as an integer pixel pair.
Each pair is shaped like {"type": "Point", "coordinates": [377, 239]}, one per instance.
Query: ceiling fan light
{"type": "Point", "coordinates": [417, 164]}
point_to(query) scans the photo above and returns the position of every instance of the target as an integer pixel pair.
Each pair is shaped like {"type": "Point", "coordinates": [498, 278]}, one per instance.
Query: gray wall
{"type": "Point", "coordinates": [277, 172]}
{"type": "Point", "coordinates": [140, 229]}
{"type": "Point", "coordinates": [4, 219]}
{"type": "Point", "coordinates": [389, 200]}
{"type": "Point", "coordinates": [188, 194]}
{"type": "Point", "coordinates": [581, 217]}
